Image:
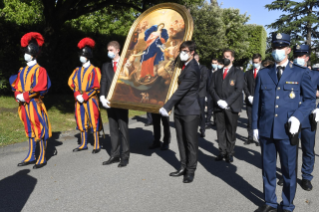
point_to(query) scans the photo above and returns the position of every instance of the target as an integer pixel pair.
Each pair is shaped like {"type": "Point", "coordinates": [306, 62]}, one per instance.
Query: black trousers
{"type": "Point", "coordinates": [202, 121]}
{"type": "Point", "coordinates": [187, 140]}
{"type": "Point", "coordinates": [210, 108]}
{"type": "Point", "coordinates": [226, 122]}
{"type": "Point", "coordinates": [157, 128]}
{"type": "Point", "coordinates": [118, 121]}
{"type": "Point", "coordinates": [250, 131]}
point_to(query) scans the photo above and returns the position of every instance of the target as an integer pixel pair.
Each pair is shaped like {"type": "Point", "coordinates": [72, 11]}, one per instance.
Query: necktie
{"type": "Point", "coordinates": [183, 67]}
{"type": "Point", "coordinates": [255, 73]}
{"type": "Point", "coordinates": [114, 66]}
{"type": "Point", "coordinates": [225, 73]}
{"type": "Point", "coordinates": [280, 69]}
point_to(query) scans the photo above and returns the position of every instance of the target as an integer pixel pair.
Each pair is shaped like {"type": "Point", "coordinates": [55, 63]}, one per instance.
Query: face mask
{"type": "Point", "coordinates": [27, 57]}
{"type": "Point", "coordinates": [219, 66]}
{"type": "Point", "coordinates": [83, 59]}
{"type": "Point", "coordinates": [183, 56]}
{"type": "Point", "coordinates": [226, 62]}
{"type": "Point", "coordinates": [111, 55]}
{"type": "Point", "coordinates": [256, 65]}
{"type": "Point", "coordinates": [299, 61]}
{"type": "Point", "coordinates": [278, 55]}
{"type": "Point", "coordinates": [214, 66]}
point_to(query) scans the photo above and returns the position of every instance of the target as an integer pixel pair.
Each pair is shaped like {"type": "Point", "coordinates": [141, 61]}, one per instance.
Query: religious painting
{"type": "Point", "coordinates": [147, 73]}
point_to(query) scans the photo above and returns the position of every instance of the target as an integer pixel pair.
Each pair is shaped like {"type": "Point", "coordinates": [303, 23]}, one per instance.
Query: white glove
{"type": "Point", "coordinates": [222, 104]}
{"type": "Point", "coordinates": [20, 98]}
{"type": "Point", "coordinates": [106, 104]}
{"type": "Point", "coordinates": [251, 99]}
{"type": "Point", "coordinates": [163, 112]}
{"type": "Point", "coordinates": [80, 98]}
{"type": "Point", "coordinates": [316, 112]}
{"type": "Point", "coordinates": [256, 135]}
{"type": "Point", "coordinates": [295, 123]}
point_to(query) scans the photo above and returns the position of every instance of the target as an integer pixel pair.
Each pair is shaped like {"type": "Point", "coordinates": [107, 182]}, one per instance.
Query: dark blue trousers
{"type": "Point", "coordinates": [308, 152]}
{"type": "Point", "coordinates": [288, 160]}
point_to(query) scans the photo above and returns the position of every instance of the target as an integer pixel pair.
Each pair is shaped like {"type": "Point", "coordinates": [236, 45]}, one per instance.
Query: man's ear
{"type": "Point", "coordinates": [192, 53]}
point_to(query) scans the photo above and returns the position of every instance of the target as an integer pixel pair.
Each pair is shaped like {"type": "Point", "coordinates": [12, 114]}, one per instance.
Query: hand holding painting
{"type": "Point", "coordinates": [105, 102]}
{"type": "Point", "coordinates": [163, 112]}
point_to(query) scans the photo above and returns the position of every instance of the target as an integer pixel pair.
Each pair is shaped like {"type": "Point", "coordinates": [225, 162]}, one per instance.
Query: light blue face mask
{"type": "Point", "coordinates": [299, 61]}
{"type": "Point", "coordinates": [27, 57]}
{"type": "Point", "coordinates": [83, 59]}
{"type": "Point", "coordinates": [214, 66]}
{"type": "Point", "coordinates": [256, 65]}
{"type": "Point", "coordinates": [278, 55]}
{"type": "Point", "coordinates": [219, 66]}
{"type": "Point", "coordinates": [111, 55]}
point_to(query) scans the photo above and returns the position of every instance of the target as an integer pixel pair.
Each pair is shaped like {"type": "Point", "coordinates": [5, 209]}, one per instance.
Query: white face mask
{"type": "Point", "coordinates": [111, 55]}
{"type": "Point", "coordinates": [183, 56]}
{"type": "Point", "coordinates": [299, 61]}
{"type": "Point", "coordinates": [256, 65]}
{"type": "Point", "coordinates": [83, 59]}
{"type": "Point", "coordinates": [27, 57]}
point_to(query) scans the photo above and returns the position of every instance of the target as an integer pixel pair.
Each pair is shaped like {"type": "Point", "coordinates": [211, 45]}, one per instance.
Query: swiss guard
{"type": "Point", "coordinates": [277, 118]}
{"type": "Point", "coordinates": [85, 83]}
{"type": "Point", "coordinates": [29, 86]}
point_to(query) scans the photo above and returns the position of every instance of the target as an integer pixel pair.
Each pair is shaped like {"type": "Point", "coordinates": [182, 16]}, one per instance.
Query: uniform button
{"type": "Point", "coordinates": [278, 88]}
{"type": "Point", "coordinates": [276, 115]}
{"type": "Point", "coordinates": [300, 103]}
{"type": "Point", "coordinates": [277, 97]}
{"type": "Point", "coordinates": [276, 106]}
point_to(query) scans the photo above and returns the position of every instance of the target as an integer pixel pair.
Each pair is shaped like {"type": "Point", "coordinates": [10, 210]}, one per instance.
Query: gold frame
{"type": "Point", "coordinates": [189, 26]}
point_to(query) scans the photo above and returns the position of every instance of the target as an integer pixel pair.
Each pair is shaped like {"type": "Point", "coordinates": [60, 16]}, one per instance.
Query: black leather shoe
{"type": "Point", "coordinates": [188, 178]}
{"type": "Point", "coordinates": [94, 151]}
{"type": "Point", "coordinates": [249, 141]}
{"type": "Point", "coordinates": [178, 173]}
{"type": "Point", "coordinates": [111, 160]}
{"type": "Point", "coordinates": [202, 134]}
{"type": "Point", "coordinates": [266, 208]}
{"type": "Point", "coordinates": [219, 158]}
{"type": "Point", "coordinates": [37, 166]}
{"type": "Point", "coordinates": [280, 182]}
{"type": "Point", "coordinates": [26, 163]}
{"type": "Point", "coordinates": [148, 124]}
{"type": "Point", "coordinates": [155, 145]}
{"type": "Point", "coordinates": [165, 146]}
{"type": "Point", "coordinates": [229, 159]}
{"type": "Point", "coordinates": [123, 163]}
{"type": "Point", "coordinates": [78, 149]}
{"type": "Point", "coordinates": [257, 144]}
{"type": "Point", "coordinates": [306, 185]}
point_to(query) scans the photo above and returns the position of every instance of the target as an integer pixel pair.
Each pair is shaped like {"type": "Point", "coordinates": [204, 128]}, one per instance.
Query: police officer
{"type": "Point", "coordinates": [278, 91]}
{"type": "Point", "coordinates": [301, 55]}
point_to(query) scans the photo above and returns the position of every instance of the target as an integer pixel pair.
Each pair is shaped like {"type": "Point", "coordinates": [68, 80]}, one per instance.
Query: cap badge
{"type": "Point", "coordinates": [279, 36]}
{"type": "Point", "coordinates": [297, 47]}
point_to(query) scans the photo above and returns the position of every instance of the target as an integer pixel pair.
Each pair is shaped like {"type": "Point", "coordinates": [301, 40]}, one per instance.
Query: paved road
{"type": "Point", "coordinates": [79, 182]}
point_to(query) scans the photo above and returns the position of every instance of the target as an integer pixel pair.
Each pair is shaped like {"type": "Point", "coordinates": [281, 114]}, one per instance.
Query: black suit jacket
{"type": "Point", "coordinates": [107, 78]}
{"type": "Point", "coordinates": [203, 80]}
{"type": "Point", "coordinates": [249, 87]}
{"type": "Point", "coordinates": [230, 89]}
{"type": "Point", "coordinates": [185, 98]}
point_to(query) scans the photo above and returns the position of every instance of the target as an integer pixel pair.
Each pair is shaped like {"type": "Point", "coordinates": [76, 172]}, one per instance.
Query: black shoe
{"type": "Point", "coordinates": [202, 134]}
{"type": "Point", "coordinates": [229, 159]}
{"type": "Point", "coordinates": [155, 145]}
{"type": "Point", "coordinates": [266, 208]}
{"type": "Point", "coordinates": [26, 163]}
{"type": "Point", "coordinates": [111, 160]}
{"type": "Point", "coordinates": [178, 173]}
{"type": "Point", "coordinates": [123, 163]}
{"type": "Point", "coordinates": [165, 146]}
{"type": "Point", "coordinates": [94, 151]}
{"type": "Point", "coordinates": [280, 182]}
{"type": "Point", "coordinates": [78, 149]}
{"type": "Point", "coordinates": [249, 141]}
{"type": "Point", "coordinates": [55, 152]}
{"type": "Point", "coordinates": [148, 124]}
{"type": "Point", "coordinates": [306, 185]}
{"type": "Point", "coordinates": [219, 158]}
{"type": "Point", "coordinates": [37, 166]}
{"type": "Point", "coordinates": [257, 144]}
{"type": "Point", "coordinates": [188, 178]}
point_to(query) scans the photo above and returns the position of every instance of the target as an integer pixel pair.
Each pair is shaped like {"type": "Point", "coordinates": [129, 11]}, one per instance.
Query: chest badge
{"type": "Point", "coordinates": [292, 95]}
{"type": "Point", "coordinates": [232, 82]}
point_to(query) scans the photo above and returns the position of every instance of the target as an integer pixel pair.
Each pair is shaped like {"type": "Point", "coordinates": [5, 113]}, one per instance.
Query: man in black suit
{"type": "Point", "coordinates": [201, 94]}
{"type": "Point", "coordinates": [186, 112]}
{"type": "Point", "coordinates": [210, 102]}
{"type": "Point", "coordinates": [118, 118]}
{"type": "Point", "coordinates": [249, 89]}
{"type": "Point", "coordinates": [226, 90]}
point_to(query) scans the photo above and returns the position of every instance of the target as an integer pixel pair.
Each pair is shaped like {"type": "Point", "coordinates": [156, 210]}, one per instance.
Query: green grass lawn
{"type": "Point", "coordinates": [61, 115]}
